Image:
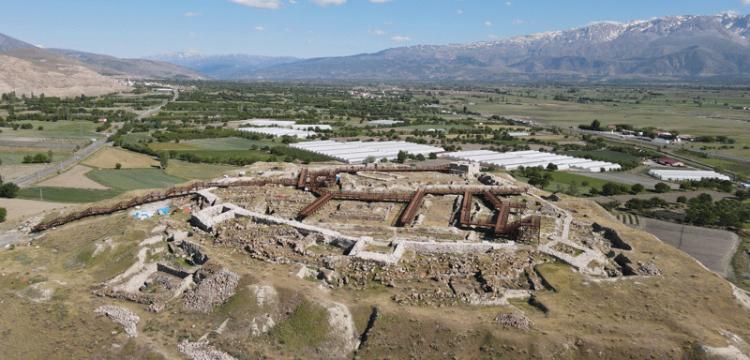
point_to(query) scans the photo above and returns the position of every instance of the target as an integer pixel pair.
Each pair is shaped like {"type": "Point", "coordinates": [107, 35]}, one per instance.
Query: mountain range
{"type": "Point", "coordinates": [675, 48]}
{"type": "Point", "coordinates": [668, 48]}
{"type": "Point", "coordinates": [224, 67]}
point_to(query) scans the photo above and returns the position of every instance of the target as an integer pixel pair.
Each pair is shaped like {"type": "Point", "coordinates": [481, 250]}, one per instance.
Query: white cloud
{"type": "Point", "coordinates": [488, 23]}
{"type": "Point", "coordinates": [400, 38]}
{"type": "Point", "coordinates": [260, 4]}
{"type": "Point", "coordinates": [460, 11]}
{"type": "Point", "coordinates": [329, 2]}
{"type": "Point", "coordinates": [380, 1]}
{"type": "Point", "coordinates": [377, 32]}
{"type": "Point", "coordinates": [746, 2]}
{"type": "Point", "coordinates": [508, 3]}
{"type": "Point", "coordinates": [260, 28]}
{"type": "Point", "coordinates": [519, 22]}
{"type": "Point", "coordinates": [191, 14]}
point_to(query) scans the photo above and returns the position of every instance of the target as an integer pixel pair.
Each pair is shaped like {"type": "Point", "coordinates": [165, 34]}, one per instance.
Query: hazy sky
{"type": "Point", "coordinates": [309, 28]}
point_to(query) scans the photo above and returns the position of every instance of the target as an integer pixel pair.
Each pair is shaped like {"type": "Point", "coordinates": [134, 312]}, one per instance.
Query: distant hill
{"type": "Point", "coordinates": [224, 67]}
{"type": "Point", "coordinates": [669, 48]}
{"type": "Point", "coordinates": [130, 68]}
{"type": "Point", "coordinates": [27, 69]}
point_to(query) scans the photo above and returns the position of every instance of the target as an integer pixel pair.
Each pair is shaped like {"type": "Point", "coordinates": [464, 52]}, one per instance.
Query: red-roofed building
{"type": "Point", "coordinates": [668, 161]}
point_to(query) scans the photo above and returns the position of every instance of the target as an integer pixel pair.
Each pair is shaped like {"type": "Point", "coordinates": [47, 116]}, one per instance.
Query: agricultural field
{"type": "Point", "coordinates": [230, 143]}
{"type": "Point", "coordinates": [564, 181]}
{"type": "Point", "coordinates": [76, 177]}
{"type": "Point", "coordinates": [688, 111]}
{"type": "Point", "coordinates": [74, 130]}
{"type": "Point", "coordinates": [191, 171]}
{"type": "Point", "coordinates": [114, 182]}
{"type": "Point", "coordinates": [134, 179]}
{"type": "Point", "coordinates": [109, 157]}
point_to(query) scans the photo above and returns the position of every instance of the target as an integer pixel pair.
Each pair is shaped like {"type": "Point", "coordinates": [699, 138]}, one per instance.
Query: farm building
{"type": "Point", "coordinates": [287, 124]}
{"type": "Point", "coordinates": [668, 161]}
{"type": "Point", "coordinates": [279, 132]}
{"type": "Point", "coordinates": [531, 158]}
{"type": "Point", "coordinates": [271, 123]}
{"type": "Point", "coordinates": [384, 122]}
{"type": "Point", "coordinates": [358, 151]}
{"type": "Point", "coordinates": [322, 127]}
{"type": "Point", "coordinates": [686, 175]}
{"type": "Point", "coordinates": [518, 134]}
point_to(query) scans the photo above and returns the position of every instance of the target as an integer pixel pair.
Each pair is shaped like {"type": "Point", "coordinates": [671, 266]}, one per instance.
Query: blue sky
{"type": "Point", "coordinates": [310, 28]}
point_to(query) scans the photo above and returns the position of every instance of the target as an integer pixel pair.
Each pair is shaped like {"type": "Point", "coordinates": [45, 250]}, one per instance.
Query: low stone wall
{"type": "Point", "coordinates": [207, 218]}
{"type": "Point", "coordinates": [455, 247]}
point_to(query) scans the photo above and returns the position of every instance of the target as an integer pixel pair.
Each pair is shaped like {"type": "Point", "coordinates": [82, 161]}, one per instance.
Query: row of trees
{"type": "Point", "coordinates": [702, 211]}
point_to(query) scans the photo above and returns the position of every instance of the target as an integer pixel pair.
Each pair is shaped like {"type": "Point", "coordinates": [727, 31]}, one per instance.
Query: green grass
{"type": "Point", "coordinates": [226, 156]}
{"type": "Point", "coordinates": [190, 171]}
{"type": "Point", "coordinates": [66, 195]}
{"type": "Point", "coordinates": [674, 109]}
{"type": "Point", "coordinates": [561, 181]}
{"type": "Point", "coordinates": [133, 179]}
{"type": "Point", "coordinates": [306, 327]}
{"type": "Point", "coordinates": [605, 155]}
{"type": "Point", "coordinates": [230, 143]}
{"type": "Point", "coordinates": [16, 157]}
{"type": "Point", "coordinates": [56, 129]}
{"type": "Point", "coordinates": [118, 181]}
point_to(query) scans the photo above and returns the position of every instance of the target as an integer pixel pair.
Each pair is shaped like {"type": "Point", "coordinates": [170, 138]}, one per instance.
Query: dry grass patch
{"type": "Point", "coordinates": [11, 172]}
{"type": "Point", "coordinates": [108, 157]}
{"type": "Point", "coordinates": [19, 208]}
{"type": "Point", "coordinates": [74, 178]}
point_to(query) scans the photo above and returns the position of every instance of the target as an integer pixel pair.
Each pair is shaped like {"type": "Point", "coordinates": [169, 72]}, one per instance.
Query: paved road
{"type": "Point", "coordinates": [670, 197]}
{"type": "Point", "coordinates": [713, 248]}
{"type": "Point", "coordinates": [31, 179]}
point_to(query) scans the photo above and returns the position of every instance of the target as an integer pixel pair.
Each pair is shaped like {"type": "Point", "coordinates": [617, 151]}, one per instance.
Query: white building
{"type": "Point", "coordinates": [354, 152]}
{"type": "Point", "coordinates": [518, 134]}
{"type": "Point", "coordinates": [532, 158]}
{"type": "Point", "coordinates": [384, 122]}
{"type": "Point", "coordinates": [686, 175]}
{"type": "Point", "coordinates": [322, 127]}
{"type": "Point", "coordinates": [279, 132]}
{"type": "Point", "coordinates": [270, 123]}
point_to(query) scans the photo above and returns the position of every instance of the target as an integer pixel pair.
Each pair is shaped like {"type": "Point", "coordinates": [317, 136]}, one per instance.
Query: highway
{"type": "Point", "coordinates": [80, 155]}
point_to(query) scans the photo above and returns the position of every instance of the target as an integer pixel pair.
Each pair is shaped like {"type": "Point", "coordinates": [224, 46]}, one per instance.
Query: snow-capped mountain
{"type": "Point", "coordinates": [668, 48]}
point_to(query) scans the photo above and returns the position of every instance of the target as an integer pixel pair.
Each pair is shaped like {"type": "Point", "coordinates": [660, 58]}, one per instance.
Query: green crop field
{"type": "Point", "coordinates": [231, 143]}
{"type": "Point", "coordinates": [55, 129]}
{"type": "Point", "coordinates": [118, 181]}
{"type": "Point", "coordinates": [669, 109]}
{"type": "Point", "coordinates": [13, 156]}
{"type": "Point", "coordinates": [191, 171]}
{"type": "Point", "coordinates": [562, 181]}
{"type": "Point", "coordinates": [605, 155]}
{"type": "Point", "coordinates": [133, 179]}
{"type": "Point", "coordinates": [66, 195]}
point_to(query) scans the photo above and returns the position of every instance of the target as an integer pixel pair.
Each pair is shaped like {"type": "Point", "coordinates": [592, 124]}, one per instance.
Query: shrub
{"type": "Point", "coordinates": [662, 187]}
{"type": "Point", "coordinates": [3, 214]}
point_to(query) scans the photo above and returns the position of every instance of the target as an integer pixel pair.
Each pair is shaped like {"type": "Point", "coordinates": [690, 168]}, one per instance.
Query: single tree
{"type": "Point", "coordinates": [661, 188]}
